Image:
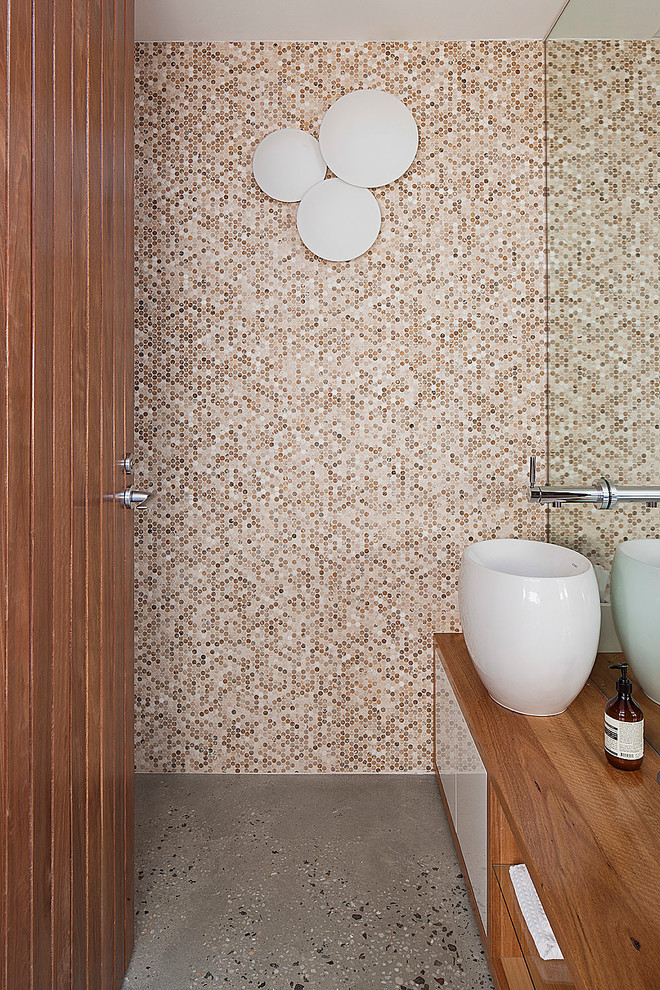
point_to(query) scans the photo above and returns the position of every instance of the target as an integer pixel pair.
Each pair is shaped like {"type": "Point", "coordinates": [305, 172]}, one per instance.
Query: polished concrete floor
{"type": "Point", "coordinates": [299, 883]}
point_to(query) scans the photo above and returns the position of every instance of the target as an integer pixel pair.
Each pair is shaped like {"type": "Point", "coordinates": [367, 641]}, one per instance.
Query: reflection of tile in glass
{"type": "Point", "coordinates": [603, 233]}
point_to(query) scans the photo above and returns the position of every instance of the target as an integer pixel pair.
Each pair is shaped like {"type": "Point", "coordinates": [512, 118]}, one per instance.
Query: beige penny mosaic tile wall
{"type": "Point", "coordinates": [604, 203]}
{"type": "Point", "coordinates": [326, 438]}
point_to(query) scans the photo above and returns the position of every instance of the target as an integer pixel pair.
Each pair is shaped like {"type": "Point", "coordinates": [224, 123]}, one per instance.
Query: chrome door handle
{"type": "Point", "coordinates": [128, 464]}
{"type": "Point", "coordinates": [133, 499]}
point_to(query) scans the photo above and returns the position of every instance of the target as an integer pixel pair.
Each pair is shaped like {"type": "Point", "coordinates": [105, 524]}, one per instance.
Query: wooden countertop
{"type": "Point", "coordinates": [589, 834]}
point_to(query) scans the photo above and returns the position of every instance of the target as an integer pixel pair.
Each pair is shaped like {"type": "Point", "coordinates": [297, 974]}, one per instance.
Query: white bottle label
{"type": "Point", "coordinates": [624, 739]}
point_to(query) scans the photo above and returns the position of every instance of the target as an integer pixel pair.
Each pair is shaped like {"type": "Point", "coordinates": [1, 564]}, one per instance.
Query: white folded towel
{"type": "Point", "coordinates": [533, 913]}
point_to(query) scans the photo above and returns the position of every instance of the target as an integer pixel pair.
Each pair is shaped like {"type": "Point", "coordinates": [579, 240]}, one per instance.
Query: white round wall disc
{"type": "Point", "coordinates": [287, 163]}
{"type": "Point", "coordinates": [369, 138]}
{"type": "Point", "coordinates": [337, 221]}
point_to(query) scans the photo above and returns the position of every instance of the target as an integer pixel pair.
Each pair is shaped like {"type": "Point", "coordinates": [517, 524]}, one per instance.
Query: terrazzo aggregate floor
{"type": "Point", "coordinates": [299, 883]}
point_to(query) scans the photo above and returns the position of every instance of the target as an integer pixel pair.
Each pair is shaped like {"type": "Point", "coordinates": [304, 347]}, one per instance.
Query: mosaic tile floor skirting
{"type": "Point", "coordinates": [299, 883]}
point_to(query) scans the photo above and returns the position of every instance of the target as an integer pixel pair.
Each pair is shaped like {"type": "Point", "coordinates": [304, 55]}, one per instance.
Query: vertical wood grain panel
{"type": "Point", "coordinates": [119, 480]}
{"type": "Point", "coordinates": [129, 867]}
{"type": "Point", "coordinates": [94, 524]}
{"type": "Point", "coordinates": [108, 877]}
{"type": "Point", "coordinates": [65, 545]}
{"type": "Point", "coordinates": [19, 385]}
{"type": "Point", "coordinates": [80, 659]}
{"type": "Point", "coordinates": [41, 604]}
{"type": "Point", "coordinates": [3, 497]}
{"type": "Point", "coordinates": [62, 506]}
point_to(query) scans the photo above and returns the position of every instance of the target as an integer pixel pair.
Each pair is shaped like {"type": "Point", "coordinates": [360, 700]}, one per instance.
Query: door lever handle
{"type": "Point", "coordinates": [134, 499]}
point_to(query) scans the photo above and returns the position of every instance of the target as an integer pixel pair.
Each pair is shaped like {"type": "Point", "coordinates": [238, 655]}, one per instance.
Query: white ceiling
{"type": "Point", "coordinates": [609, 19]}
{"type": "Point", "coordinates": [344, 20]}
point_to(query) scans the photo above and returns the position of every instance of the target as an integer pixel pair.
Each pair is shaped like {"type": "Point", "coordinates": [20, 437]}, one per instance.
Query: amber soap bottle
{"type": "Point", "coordinates": [624, 725]}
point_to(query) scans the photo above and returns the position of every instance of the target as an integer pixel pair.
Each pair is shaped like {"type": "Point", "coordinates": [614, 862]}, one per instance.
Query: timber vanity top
{"type": "Point", "coordinates": [588, 833]}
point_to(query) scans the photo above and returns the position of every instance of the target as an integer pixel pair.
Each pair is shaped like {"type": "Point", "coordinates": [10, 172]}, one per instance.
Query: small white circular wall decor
{"type": "Point", "coordinates": [369, 138]}
{"type": "Point", "coordinates": [337, 221]}
{"type": "Point", "coordinates": [287, 163]}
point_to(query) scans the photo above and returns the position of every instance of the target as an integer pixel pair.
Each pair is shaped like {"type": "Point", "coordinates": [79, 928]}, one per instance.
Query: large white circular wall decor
{"type": "Point", "coordinates": [369, 138]}
{"type": "Point", "coordinates": [337, 221]}
{"type": "Point", "coordinates": [287, 163]}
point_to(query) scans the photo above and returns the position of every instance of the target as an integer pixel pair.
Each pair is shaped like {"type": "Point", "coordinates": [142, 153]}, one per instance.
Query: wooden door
{"type": "Point", "coordinates": [66, 424]}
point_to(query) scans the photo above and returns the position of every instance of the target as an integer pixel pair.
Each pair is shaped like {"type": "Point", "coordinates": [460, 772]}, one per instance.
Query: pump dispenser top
{"type": "Point", "coordinates": [623, 684]}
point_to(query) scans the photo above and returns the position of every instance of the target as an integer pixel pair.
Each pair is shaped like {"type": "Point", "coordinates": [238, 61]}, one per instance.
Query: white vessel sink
{"type": "Point", "coordinates": [635, 588]}
{"type": "Point", "coordinates": [531, 620]}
